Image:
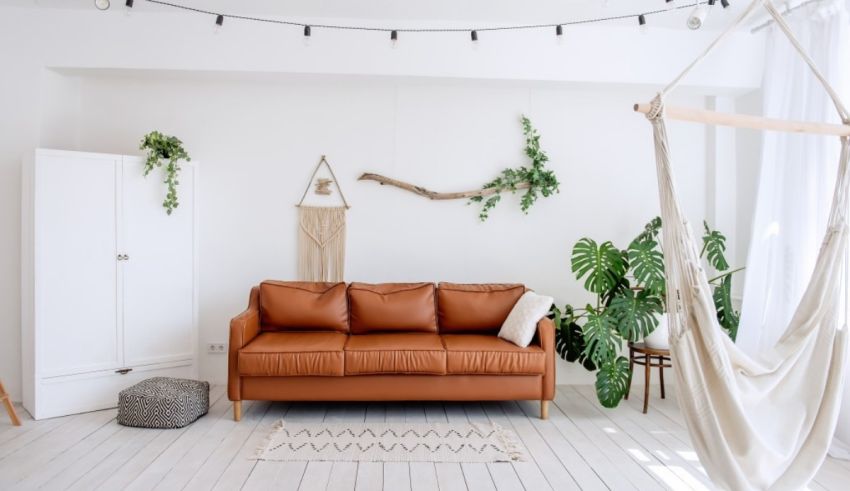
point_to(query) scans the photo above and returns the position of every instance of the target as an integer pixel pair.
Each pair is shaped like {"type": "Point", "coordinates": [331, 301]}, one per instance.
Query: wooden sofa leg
{"type": "Point", "coordinates": [237, 410]}
{"type": "Point", "coordinates": [544, 409]}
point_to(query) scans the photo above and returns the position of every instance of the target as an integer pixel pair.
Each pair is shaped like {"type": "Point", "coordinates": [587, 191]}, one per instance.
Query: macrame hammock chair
{"type": "Point", "coordinates": [766, 422]}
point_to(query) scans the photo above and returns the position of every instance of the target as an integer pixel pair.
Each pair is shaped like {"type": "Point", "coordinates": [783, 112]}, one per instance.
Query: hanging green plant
{"type": "Point", "coordinates": [537, 179]}
{"type": "Point", "coordinates": [167, 150]}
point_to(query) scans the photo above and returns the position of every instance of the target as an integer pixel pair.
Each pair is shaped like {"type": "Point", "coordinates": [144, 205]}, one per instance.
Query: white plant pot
{"type": "Point", "coordinates": [660, 337]}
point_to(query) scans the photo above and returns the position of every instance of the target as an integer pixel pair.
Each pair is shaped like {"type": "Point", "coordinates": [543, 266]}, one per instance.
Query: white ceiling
{"type": "Point", "coordinates": [473, 12]}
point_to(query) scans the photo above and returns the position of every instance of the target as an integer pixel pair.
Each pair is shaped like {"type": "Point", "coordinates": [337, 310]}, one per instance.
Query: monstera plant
{"type": "Point", "coordinates": [630, 295]}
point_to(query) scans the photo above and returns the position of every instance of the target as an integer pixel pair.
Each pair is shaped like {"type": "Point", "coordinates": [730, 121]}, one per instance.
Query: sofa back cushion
{"type": "Point", "coordinates": [392, 307]}
{"type": "Point", "coordinates": [475, 308]}
{"type": "Point", "coordinates": [303, 306]}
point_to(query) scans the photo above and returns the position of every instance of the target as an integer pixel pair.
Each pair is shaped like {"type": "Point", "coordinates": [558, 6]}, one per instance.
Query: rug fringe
{"type": "Point", "coordinates": [512, 447]}
{"type": "Point", "coordinates": [267, 441]}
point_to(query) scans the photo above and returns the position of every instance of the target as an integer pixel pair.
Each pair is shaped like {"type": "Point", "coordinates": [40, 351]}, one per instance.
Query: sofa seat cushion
{"type": "Point", "coordinates": [388, 353]}
{"type": "Point", "coordinates": [475, 308]}
{"type": "Point", "coordinates": [483, 354]}
{"type": "Point", "coordinates": [282, 354]}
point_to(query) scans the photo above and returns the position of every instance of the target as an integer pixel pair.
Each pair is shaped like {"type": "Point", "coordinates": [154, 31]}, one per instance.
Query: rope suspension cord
{"type": "Point", "coordinates": [746, 121]}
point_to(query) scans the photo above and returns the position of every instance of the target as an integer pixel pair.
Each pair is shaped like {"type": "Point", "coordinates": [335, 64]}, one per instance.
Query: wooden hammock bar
{"type": "Point", "coordinates": [747, 121]}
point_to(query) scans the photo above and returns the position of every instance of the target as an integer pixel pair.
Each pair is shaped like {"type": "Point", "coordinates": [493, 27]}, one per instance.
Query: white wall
{"type": "Point", "coordinates": [435, 115]}
{"type": "Point", "coordinates": [257, 142]}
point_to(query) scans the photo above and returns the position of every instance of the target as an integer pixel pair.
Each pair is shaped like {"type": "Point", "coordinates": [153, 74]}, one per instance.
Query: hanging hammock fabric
{"type": "Point", "coordinates": [761, 423]}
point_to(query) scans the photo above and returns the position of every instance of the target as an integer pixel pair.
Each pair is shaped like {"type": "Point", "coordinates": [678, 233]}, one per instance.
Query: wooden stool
{"type": "Point", "coordinates": [4, 398]}
{"type": "Point", "coordinates": [648, 357]}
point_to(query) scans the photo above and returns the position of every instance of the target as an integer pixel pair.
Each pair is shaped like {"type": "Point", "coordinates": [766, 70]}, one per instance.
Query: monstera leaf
{"type": "Point", "coordinates": [612, 381]}
{"type": "Point", "coordinates": [650, 230]}
{"type": "Point", "coordinates": [569, 343]}
{"type": "Point", "coordinates": [635, 313]}
{"type": "Point", "coordinates": [647, 265]}
{"type": "Point", "coordinates": [603, 264]}
{"type": "Point", "coordinates": [714, 248]}
{"type": "Point", "coordinates": [602, 342]}
{"type": "Point", "coordinates": [727, 316]}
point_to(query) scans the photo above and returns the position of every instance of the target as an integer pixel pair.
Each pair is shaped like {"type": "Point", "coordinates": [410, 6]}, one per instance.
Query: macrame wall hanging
{"type": "Point", "coordinates": [321, 232]}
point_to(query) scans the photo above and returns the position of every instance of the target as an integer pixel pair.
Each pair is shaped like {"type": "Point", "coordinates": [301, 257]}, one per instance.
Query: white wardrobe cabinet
{"type": "Point", "coordinates": [109, 280]}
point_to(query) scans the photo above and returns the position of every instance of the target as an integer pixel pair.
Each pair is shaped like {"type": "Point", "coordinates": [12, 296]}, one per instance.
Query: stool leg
{"type": "Point", "coordinates": [661, 374]}
{"type": "Point", "coordinates": [7, 401]}
{"type": "Point", "coordinates": [646, 382]}
{"type": "Point", "coordinates": [631, 372]}
{"type": "Point", "coordinates": [237, 410]}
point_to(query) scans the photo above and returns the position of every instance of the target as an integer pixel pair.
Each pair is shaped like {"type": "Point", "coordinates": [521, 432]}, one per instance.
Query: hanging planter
{"type": "Point", "coordinates": [167, 151]}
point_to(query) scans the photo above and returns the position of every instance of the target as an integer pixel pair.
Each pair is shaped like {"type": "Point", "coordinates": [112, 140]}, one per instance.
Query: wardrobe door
{"type": "Point", "coordinates": [159, 269]}
{"type": "Point", "coordinates": [75, 263]}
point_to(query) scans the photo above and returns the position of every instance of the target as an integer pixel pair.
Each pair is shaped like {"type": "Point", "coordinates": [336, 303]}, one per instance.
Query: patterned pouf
{"type": "Point", "coordinates": [163, 402]}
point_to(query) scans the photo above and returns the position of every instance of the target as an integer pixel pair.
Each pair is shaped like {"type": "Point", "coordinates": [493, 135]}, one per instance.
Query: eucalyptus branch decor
{"type": "Point", "coordinates": [630, 293]}
{"type": "Point", "coordinates": [536, 180]}
{"type": "Point", "coordinates": [166, 150]}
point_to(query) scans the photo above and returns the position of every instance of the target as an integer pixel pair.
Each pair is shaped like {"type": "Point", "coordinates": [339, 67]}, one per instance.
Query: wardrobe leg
{"type": "Point", "coordinates": [646, 388]}
{"type": "Point", "coordinates": [544, 409]}
{"type": "Point", "coordinates": [237, 410]}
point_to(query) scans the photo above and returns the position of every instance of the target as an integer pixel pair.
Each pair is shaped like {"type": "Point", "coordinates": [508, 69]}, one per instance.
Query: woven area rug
{"type": "Point", "coordinates": [391, 442]}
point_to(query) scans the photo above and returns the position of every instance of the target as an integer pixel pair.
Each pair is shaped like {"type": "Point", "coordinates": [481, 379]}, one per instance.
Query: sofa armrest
{"type": "Point", "coordinates": [243, 328]}
{"type": "Point", "coordinates": [546, 338]}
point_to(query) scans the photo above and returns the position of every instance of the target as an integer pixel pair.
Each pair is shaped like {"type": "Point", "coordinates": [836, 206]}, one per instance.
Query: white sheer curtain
{"type": "Point", "coordinates": [796, 178]}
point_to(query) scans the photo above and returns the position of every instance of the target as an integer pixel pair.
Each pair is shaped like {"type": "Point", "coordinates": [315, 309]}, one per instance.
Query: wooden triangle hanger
{"type": "Point", "coordinates": [323, 160]}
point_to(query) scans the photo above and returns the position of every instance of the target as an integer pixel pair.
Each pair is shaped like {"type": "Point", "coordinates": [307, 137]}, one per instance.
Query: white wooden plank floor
{"type": "Point", "coordinates": [581, 446]}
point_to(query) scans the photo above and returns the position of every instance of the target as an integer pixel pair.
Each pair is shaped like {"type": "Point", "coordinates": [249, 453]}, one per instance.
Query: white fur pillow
{"type": "Point", "coordinates": [521, 324]}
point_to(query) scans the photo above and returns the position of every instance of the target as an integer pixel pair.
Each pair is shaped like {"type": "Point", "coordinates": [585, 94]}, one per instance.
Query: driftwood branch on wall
{"type": "Point", "coordinates": [427, 193]}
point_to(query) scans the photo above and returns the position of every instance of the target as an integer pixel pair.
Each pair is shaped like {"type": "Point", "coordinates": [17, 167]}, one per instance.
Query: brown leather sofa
{"type": "Point", "coordinates": [300, 341]}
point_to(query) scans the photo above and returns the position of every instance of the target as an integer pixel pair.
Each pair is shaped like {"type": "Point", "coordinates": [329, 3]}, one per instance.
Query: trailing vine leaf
{"type": "Point", "coordinates": [612, 381]}
{"type": "Point", "coordinates": [569, 342]}
{"type": "Point", "coordinates": [168, 149]}
{"type": "Point", "coordinates": [727, 316]}
{"type": "Point", "coordinates": [647, 265]}
{"type": "Point", "coordinates": [602, 342]}
{"type": "Point", "coordinates": [635, 313]}
{"type": "Point", "coordinates": [603, 264]}
{"type": "Point", "coordinates": [714, 248]}
{"type": "Point", "coordinates": [541, 181]}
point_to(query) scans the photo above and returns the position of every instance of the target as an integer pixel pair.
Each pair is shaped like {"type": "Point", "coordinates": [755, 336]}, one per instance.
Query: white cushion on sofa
{"type": "Point", "coordinates": [521, 324]}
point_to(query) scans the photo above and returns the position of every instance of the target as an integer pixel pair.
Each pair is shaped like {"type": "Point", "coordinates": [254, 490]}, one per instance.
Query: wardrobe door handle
{"type": "Point", "coordinates": [124, 371]}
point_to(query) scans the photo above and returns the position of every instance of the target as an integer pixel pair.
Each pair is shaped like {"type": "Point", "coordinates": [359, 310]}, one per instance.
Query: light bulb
{"type": "Point", "coordinates": [101, 4]}
{"type": "Point", "coordinates": [307, 35]}
{"type": "Point", "coordinates": [697, 17]}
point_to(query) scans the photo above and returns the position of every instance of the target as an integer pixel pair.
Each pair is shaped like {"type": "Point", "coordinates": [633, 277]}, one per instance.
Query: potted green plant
{"type": "Point", "coordinates": [630, 297]}
{"type": "Point", "coordinates": [168, 150]}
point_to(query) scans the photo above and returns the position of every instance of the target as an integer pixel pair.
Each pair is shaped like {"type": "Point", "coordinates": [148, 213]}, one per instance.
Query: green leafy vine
{"type": "Point", "coordinates": [168, 150]}
{"type": "Point", "coordinates": [537, 179]}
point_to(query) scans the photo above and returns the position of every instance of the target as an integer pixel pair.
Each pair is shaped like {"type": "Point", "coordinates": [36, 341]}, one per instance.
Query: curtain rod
{"type": "Point", "coordinates": [788, 10]}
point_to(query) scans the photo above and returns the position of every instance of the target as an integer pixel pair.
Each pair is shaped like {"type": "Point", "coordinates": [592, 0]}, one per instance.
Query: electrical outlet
{"type": "Point", "coordinates": [216, 348]}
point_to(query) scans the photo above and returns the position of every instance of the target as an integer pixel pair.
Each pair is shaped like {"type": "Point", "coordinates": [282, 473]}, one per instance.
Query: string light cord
{"type": "Point", "coordinates": [519, 27]}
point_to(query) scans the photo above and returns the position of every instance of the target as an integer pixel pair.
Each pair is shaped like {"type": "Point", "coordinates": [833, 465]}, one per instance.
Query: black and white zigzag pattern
{"type": "Point", "coordinates": [163, 402]}
{"type": "Point", "coordinates": [390, 442]}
